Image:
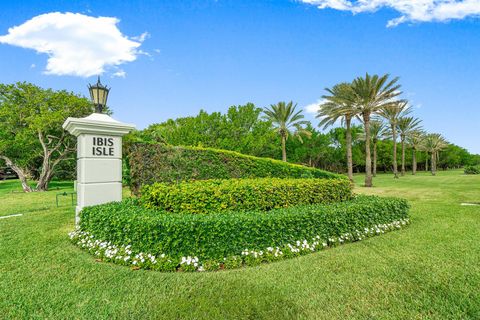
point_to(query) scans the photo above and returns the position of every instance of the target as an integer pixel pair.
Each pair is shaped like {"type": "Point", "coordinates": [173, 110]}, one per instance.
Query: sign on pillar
{"type": "Point", "coordinates": [99, 159]}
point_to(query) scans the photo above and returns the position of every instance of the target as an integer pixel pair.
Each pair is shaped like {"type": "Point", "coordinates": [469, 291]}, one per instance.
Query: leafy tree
{"type": "Point", "coordinates": [384, 155]}
{"type": "Point", "coordinates": [241, 129]}
{"type": "Point", "coordinates": [202, 130]}
{"type": "Point", "coordinates": [248, 133]}
{"type": "Point", "coordinates": [338, 141]}
{"type": "Point", "coordinates": [314, 152]}
{"type": "Point", "coordinates": [32, 140]}
{"type": "Point", "coordinates": [474, 160]}
{"type": "Point", "coordinates": [406, 125]}
{"type": "Point", "coordinates": [372, 94]}
{"type": "Point", "coordinates": [454, 156]}
{"type": "Point", "coordinates": [392, 113]}
{"type": "Point", "coordinates": [287, 121]}
{"type": "Point", "coordinates": [340, 105]}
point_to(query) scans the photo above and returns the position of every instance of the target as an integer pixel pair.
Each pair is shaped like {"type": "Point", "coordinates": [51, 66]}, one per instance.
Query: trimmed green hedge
{"type": "Point", "coordinates": [214, 236]}
{"type": "Point", "coordinates": [150, 163]}
{"type": "Point", "coordinates": [209, 196]}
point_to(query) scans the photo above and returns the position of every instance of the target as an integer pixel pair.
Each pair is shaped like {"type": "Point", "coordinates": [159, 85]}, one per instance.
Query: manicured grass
{"type": "Point", "coordinates": [429, 270]}
{"type": "Point", "coordinates": [14, 201]}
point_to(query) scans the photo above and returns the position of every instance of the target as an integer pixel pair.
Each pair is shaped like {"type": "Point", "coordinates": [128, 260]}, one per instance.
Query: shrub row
{"type": "Point", "coordinates": [472, 170]}
{"type": "Point", "coordinates": [209, 196]}
{"type": "Point", "coordinates": [125, 255]}
{"type": "Point", "coordinates": [215, 236]}
{"type": "Point", "coordinates": [149, 163]}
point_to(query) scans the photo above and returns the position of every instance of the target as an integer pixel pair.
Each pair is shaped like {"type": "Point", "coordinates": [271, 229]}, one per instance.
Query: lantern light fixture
{"type": "Point", "coordinates": [99, 95]}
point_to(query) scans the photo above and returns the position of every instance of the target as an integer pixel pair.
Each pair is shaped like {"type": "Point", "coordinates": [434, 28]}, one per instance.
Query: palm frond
{"type": "Point", "coordinates": [339, 105]}
{"type": "Point", "coordinates": [286, 119]}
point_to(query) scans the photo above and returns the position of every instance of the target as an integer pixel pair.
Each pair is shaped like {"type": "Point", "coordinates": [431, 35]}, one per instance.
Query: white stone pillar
{"type": "Point", "coordinates": [99, 159]}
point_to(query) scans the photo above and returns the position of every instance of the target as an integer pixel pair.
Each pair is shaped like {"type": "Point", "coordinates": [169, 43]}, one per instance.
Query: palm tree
{"type": "Point", "coordinates": [406, 125]}
{"type": "Point", "coordinates": [433, 144]}
{"type": "Point", "coordinates": [377, 132]}
{"type": "Point", "coordinates": [286, 121]}
{"type": "Point", "coordinates": [339, 105]}
{"type": "Point", "coordinates": [392, 112]}
{"type": "Point", "coordinates": [415, 140]}
{"type": "Point", "coordinates": [372, 94]}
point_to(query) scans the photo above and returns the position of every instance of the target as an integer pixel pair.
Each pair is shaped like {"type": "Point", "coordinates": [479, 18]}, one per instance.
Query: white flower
{"type": "Point", "coordinates": [114, 253]}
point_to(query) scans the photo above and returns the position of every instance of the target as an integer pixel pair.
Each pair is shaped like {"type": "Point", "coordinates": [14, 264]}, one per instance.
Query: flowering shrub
{"type": "Point", "coordinates": [219, 235]}
{"type": "Point", "coordinates": [150, 163]}
{"type": "Point", "coordinates": [124, 254]}
{"type": "Point", "coordinates": [211, 196]}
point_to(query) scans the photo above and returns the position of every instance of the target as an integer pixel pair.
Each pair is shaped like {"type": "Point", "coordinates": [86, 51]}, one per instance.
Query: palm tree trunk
{"type": "Point", "coordinates": [375, 158]}
{"type": "Point", "coordinates": [414, 162]}
{"type": "Point", "coordinates": [348, 139]}
{"type": "Point", "coordinates": [284, 149]}
{"type": "Point", "coordinates": [433, 164]}
{"type": "Point", "coordinates": [426, 161]}
{"type": "Point", "coordinates": [403, 156]}
{"type": "Point", "coordinates": [394, 137]}
{"type": "Point", "coordinates": [368, 158]}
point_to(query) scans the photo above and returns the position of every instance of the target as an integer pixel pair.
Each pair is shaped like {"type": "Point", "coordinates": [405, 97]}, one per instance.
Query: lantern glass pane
{"type": "Point", "coordinates": [94, 92]}
{"type": "Point", "coordinates": [101, 96]}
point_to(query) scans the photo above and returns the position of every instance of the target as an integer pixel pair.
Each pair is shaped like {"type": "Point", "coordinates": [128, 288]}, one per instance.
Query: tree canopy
{"type": "Point", "coordinates": [32, 140]}
{"type": "Point", "coordinates": [244, 130]}
{"type": "Point", "coordinates": [33, 143]}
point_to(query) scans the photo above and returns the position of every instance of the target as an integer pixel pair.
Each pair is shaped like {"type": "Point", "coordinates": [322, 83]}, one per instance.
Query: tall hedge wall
{"type": "Point", "coordinates": [150, 163]}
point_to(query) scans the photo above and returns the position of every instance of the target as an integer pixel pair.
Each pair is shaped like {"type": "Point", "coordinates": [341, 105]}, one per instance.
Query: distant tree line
{"type": "Point", "coordinates": [246, 129]}
{"type": "Point", "coordinates": [370, 128]}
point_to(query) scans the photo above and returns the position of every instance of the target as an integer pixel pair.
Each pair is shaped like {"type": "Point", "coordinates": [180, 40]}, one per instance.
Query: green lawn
{"type": "Point", "coordinates": [429, 270]}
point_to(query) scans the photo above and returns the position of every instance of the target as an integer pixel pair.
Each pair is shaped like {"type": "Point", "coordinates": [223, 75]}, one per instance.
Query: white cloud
{"type": "Point", "coordinates": [76, 44]}
{"type": "Point", "coordinates": [141, 37]}
{"type": "Point", "coordinates": [119, 74]}
{"type": "Point", "coordinates": [333, 4]}
{"type": "Point", "coordinates": [312, 108]}
{"type": "Point", "coordinates": [410, 10]}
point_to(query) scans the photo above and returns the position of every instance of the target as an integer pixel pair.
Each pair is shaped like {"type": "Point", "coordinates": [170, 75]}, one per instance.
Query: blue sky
{"type": "Point", "coordinates": [214, 54]}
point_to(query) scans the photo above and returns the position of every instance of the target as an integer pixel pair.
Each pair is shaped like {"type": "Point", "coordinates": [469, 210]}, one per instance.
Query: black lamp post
{"type": "Point", "coordinates": [99, 95]}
